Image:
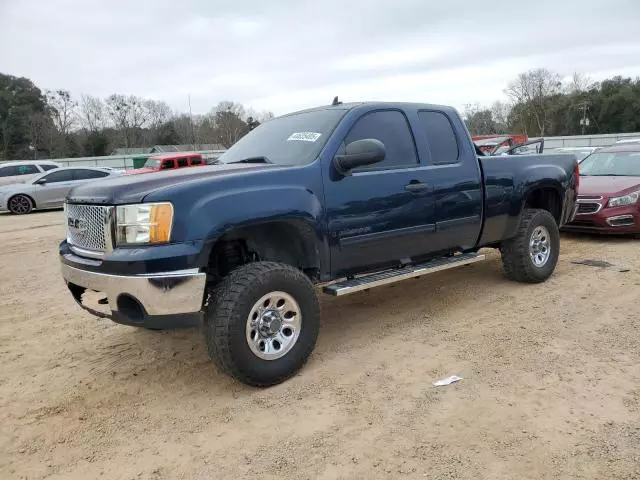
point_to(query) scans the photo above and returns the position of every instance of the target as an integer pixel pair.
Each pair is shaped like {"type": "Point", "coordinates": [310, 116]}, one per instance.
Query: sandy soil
{"type": "Point", "coordinates": [551, 383]}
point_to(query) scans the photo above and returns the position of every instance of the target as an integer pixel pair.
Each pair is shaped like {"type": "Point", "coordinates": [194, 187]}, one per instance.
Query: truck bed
{"type": "Point", "coordinates": [507, 179]}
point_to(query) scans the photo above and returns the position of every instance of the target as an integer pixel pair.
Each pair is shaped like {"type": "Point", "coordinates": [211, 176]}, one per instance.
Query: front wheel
{"type": "Point", "coordinates": [262, 323]}
{"type": "Point", "coordinates": [20, 205]}
{"type": "Point", "coordinates": [531, 256]}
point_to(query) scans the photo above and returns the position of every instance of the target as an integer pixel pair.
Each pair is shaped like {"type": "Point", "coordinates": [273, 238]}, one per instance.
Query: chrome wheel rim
{"type": "Point", "coordinates": [273, 325]}
{"type": "Point", "coordinates": [540, 246]}
{"type": "Point", "coordinates": [19, 204]}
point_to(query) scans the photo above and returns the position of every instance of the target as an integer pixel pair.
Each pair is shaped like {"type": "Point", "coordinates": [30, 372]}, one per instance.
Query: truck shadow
{"type": "Point", "coordinates": [591, 238]}
{"type": "Point", "coordinates": [370, 315]}
{"type": "Point", "coordinates": [346, 322]}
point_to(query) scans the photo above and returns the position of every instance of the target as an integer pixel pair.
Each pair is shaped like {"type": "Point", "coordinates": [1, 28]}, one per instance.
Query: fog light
{"type": "Point", "coordinates": [621, 221]}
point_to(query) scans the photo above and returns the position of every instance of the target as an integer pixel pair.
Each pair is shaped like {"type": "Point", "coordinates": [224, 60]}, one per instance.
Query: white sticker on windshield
{"type": "Point", "coordinates": [304, 137]}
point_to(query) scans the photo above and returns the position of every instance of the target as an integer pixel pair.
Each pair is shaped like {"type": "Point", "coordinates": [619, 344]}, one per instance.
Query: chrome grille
{"type": "Point", "coordinates": [589, 197]}
{"type": "Point", "coordinates": [584, 208]}
{"type": "Point", "coordinates": [88, 226]}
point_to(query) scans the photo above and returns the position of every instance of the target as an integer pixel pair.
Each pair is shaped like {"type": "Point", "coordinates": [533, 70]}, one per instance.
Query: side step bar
{"type": "Point", "coordinates": [391, 276]}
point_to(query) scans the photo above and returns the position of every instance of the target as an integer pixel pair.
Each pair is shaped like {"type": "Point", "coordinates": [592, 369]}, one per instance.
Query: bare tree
{"type": "Point", "coordinates": [129, 115]}
{"type": "Point", "coordinates": [205, 128]}
{"type": "Point", "coordinates": [158, 116]}
{"type": "Point", "coordinates": [578, 83]}
{"type": "Point", "coordinates": [40, 133]}
{"type": "Point", "coordinates": [183, 128]}
{"type": "Point", "coordinates": [259, 116]}
{"type": "Point", "coordinates": [264, 117]}
{"type": "Point", "coordinates": [62, 108]}
{"type": "Point", "coordinates": [500, 112]}
{"type": "Point", "coordinates": [229, 122]}
{"type": "Point", "coordinates": [479, 120]}
{"type": "Point", "coordinates": [92, 112]}
{"type": "Point", "coordinates": [532, 91]}
{"type": "Point", "coordinates": [158, 113]}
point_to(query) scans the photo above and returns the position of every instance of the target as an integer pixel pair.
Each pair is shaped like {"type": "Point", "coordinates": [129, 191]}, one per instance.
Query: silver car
{"type": "Point", "coordinates": [48, 190]}
{"type": "Point", "coordinates": [22, 172]}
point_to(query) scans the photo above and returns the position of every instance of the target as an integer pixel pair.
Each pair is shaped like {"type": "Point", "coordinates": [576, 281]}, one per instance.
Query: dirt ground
{"type": "Point", "coordinates": [551, 383]}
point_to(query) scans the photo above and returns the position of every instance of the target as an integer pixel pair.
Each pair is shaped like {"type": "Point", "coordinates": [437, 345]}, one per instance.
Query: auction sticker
{"type": "Point", "coordinates": [304, 137]}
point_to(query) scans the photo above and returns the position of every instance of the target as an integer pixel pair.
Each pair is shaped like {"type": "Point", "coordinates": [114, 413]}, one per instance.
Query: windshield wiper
{"type": "Point", "coordinates": [253, 160]}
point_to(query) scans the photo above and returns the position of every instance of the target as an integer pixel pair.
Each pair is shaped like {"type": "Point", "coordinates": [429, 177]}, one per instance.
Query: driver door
{"type": "Point", "coordinates": [381, 215]}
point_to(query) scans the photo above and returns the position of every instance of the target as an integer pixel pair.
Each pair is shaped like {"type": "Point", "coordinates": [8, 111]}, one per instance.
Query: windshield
{"type": "Point", "coordinates": [152, 163]}
{"type": "Point", "coordinates": [624, 164]}
{"type": "Point", "coordinates": [291, 140]}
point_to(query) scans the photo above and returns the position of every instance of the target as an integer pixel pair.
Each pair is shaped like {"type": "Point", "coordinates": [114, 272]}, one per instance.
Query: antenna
{"type": "Point", "coordinates": [336, 101]}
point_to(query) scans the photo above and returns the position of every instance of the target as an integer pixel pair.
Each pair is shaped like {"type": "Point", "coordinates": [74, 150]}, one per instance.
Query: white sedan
{"type": "Point", "coordinates": [48, 190]}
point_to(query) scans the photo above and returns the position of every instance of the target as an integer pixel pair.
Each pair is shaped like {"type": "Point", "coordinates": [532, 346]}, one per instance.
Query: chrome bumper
{"type": "Point", "coordinates": [159, 294]}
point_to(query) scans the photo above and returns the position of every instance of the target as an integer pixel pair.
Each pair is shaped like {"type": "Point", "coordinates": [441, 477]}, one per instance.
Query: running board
{"type": "Point", "coordinates": [391, 276]}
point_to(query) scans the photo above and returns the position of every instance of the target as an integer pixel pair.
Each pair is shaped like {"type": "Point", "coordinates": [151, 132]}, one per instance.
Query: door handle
{"type": "Point", "coordinates": [416, 187]}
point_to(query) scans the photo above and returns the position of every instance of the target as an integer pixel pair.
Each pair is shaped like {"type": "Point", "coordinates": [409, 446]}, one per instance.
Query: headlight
{"type": "Point", "coordinates": [624, 200]}
{"type": "Point", "coordinates": [145, 223]}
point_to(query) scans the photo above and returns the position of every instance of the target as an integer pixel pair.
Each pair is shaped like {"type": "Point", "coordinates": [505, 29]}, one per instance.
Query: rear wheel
{"type": "Point", "coordinates": [262, 323]}
{"type": "Point", "coordinates": [20, 205]}
{"type": "Point", "coordinates": [531, 256]}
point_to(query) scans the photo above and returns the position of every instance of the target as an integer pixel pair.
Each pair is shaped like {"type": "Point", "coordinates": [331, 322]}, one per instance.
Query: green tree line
{"type": "Point", "coordinates": [54, 124]}
{"type": "Point", "coordinates": [542, 104]}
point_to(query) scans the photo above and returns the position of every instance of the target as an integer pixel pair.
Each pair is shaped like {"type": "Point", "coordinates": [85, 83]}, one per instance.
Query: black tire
{"type": "Point", "coordinates": [229, 307]}
{"type": "Point", "coordinates": [20, 204]}
{"type": "Point", "coordinates": [516, 258]}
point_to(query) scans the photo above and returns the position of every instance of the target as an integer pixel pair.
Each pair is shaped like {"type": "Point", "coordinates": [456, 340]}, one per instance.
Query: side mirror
{"type": "Point", "coordinates": [41, 181]}
{"type": "Point", "coordinates": [358, 154]}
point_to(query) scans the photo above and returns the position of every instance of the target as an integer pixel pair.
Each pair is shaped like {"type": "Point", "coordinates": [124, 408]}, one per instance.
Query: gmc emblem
{"type": "Point", "coordinates": [77, 224]}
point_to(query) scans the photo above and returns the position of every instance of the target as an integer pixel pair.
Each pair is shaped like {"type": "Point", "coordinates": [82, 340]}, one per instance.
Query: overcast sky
{"type": "Point", "coordinates": [282, 55]}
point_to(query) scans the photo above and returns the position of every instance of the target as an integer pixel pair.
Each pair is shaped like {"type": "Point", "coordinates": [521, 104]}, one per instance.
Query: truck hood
{"type": "Point", "coordinates": [133, 188]}
{"type": "Point", "coordinates": [607, 186]}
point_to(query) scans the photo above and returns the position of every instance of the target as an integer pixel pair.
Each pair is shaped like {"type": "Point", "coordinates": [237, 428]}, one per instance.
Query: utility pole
{"type": "Point", "coordinates": [193, 135]}
{"type": "Point", "coordinates": [584, 121]}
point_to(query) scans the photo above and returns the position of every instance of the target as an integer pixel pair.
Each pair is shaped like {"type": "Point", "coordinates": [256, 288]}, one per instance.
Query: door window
{"type": "Point", "coordinates": [166, 165]}
{"type": "Point", "coordinates": [17, 170]}
{"type": "Point", "coordinates": [59, 176]}
{"type": "Point", "coordinates": [85, 174]}
{"type": "Point", "coordinates": [183, 162]}
{"type": "Point", "coordinates": [392, 129]}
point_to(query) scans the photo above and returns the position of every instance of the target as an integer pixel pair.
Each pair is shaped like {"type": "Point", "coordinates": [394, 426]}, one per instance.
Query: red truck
{"type": "Point", "coordinates": [170, 161]}
{"type": "Point", "coordinates": [491, 143]}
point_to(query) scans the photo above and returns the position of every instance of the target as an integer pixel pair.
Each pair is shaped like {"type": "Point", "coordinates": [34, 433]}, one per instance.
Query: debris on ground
{"type": "Point", "coordinates": [593, 263]}
{"type": "Point", "coordinates": [447, 381]}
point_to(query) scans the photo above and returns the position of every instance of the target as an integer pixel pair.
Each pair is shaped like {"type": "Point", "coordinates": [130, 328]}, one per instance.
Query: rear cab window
{"type": "Point", "coordinates": [441, 138]}
{"type": "Point", "coordinates": [196, 161]}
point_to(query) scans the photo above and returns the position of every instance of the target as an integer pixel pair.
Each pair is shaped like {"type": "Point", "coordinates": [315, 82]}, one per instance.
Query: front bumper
{"type": "Point", "coordinates": [158, 300]}
{"type": "Point", "coordinates": [620, 220]}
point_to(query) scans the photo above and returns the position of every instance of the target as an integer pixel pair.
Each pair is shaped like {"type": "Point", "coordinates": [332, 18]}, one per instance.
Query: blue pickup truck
{"type": "Point", "coordinates": [339, 199]}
